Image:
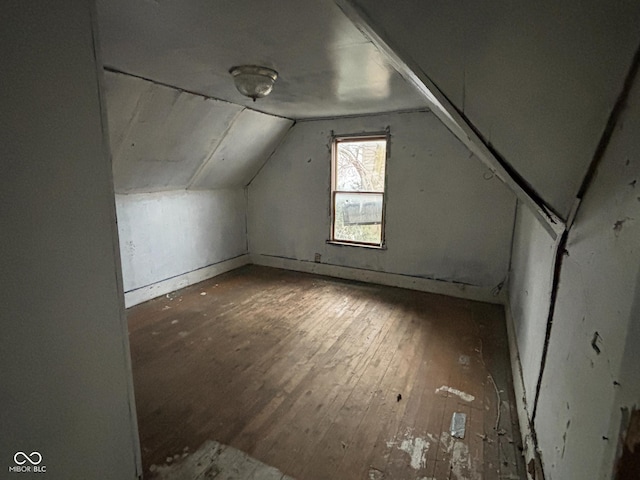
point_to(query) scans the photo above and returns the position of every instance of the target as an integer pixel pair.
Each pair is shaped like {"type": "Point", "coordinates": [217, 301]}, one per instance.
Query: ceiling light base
{"type": "Point", "coordinates": [254, 81]}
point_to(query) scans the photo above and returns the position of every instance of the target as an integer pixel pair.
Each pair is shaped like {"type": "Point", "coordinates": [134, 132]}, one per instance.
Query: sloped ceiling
{"type": "Point", "coordinates": [165, 139]}
{"type": "Point", "coordinates": [176, 119]}
{"type": "Point", "coordinates": [536, 79]}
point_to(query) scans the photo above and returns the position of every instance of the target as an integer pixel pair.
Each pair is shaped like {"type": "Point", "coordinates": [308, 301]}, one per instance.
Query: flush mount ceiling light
{"type": "Point", "coordinates": [253, 81]}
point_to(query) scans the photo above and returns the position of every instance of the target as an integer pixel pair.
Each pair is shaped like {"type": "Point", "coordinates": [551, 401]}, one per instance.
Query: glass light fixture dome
{"type": "Point", "coordinates": [254, 81]}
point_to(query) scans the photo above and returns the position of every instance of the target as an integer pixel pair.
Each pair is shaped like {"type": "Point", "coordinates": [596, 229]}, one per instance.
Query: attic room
{"type": "Point", "coordinates": [182, 298]}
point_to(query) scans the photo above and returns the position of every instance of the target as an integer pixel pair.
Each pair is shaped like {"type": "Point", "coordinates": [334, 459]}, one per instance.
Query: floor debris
{"type": "Point", "coordinates": [415, 447]}
{"type": "Point", "coordinates": [214, 460]}
{"type": "Point", "coordinates": [375, 474]}
{"type": "Point", "coordinates": [484, 438]}
{"type": "Point", "coordinates": [464, 360]}
{"type": "Point", "coordinates": [454, 391]}
{"type": "Point", "coordinates": [458, 424]}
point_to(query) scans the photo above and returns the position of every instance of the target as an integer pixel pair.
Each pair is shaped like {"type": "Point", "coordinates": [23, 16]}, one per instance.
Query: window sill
{"type": "Point", "coordinates": [354, 244]}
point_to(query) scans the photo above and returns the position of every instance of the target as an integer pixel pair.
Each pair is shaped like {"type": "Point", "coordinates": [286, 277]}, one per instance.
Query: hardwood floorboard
{"type": "Point", "coordinates": [303, 373]}
{"type": "Point", "coordinates": [318, 423]}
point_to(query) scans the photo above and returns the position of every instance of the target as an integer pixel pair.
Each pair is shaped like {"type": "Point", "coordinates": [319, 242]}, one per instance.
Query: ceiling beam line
{"type": "Point", "coordinates": [512, 172]}
{"type": "Point", "coordinates": [273, 152]}
{"type": "Point", "coordinates": [454, 119]}
{"type": "Point", "coordinates": [109, 68]}
{"type": "Point", "coordinates": [361, 115]}
{"type": "Point", "coordinates": [196, 176]}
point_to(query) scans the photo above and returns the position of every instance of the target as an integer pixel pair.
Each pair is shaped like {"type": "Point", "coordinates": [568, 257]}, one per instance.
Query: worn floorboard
{"type": "Point", "coordinates": [322, 378]}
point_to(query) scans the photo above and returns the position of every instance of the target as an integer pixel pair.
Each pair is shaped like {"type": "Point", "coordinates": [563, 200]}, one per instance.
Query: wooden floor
{"type": "Point", "coordinates": [325, 379]}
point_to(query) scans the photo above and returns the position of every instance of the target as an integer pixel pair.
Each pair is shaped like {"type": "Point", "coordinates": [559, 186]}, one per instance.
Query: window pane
{"type": "Point", "coordinates": [358, 217]}
{"type": "Point", "coordinates": [360, 165]}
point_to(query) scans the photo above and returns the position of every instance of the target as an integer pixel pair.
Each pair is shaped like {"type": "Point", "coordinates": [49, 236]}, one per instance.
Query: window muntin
{"type": "Point", "coordinates": [358, 184]}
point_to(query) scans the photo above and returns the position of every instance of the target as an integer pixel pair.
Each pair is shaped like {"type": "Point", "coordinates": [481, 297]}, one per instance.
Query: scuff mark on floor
{"type": "Point", "coordinates": [454, 391]}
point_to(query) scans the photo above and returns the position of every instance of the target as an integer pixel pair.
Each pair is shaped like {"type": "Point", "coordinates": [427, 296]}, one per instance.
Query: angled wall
{"type": "Point", "coordinates": [537, 79]}
{"type": "Point", "coordinates": [66, 389]}
{"type": "Point", "coordinates": [447, 218]}
{"type": "Point", "coordinates": [579, 412]}
{"type": "Point", "coordinates": [165, 139]}
{"type": "Point", "coordinates": [591, 371]}
{"type": "Point", "coordinates": [532, 263]}
{"type": "Point", "coordinates": [160, 136]}
{"type": "Point", "coordinates": [181, 162]}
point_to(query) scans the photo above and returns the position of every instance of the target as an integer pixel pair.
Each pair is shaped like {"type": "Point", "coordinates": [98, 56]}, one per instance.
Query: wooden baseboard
{"type": "Point", "coordinates": [139, 295]}
{"type": "Point", "coordinates": [459, 290]}
{"type": "Point", "coordinates": [529, 449]}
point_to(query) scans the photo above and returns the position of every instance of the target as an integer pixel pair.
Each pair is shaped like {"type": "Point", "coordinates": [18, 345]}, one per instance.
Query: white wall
{"type": "Point", "coordinates": [444, 220]}
{"type": "Point", "coordinates": [65, 377]}
{"type": "Point", "coordinates": [578, 417]}
{"type": "Point", "coordinates": [166, 235]}
{"type": "Point", "coordinates": [532, 263]}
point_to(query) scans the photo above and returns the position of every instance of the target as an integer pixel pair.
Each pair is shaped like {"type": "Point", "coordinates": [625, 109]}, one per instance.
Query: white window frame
{"type": "Point", "coordinates": [363, 137]}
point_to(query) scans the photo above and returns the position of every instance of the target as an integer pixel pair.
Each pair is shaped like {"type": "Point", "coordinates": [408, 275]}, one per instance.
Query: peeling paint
{"type": "Point", "coordinates": [214, 460]}
{"type": "Point", "coordinates": [415, 447]}
{"type": "Point", "coordinates": [417, 450]}
{"type": "Point", "coordinates": [375, 474]}
{"type": "Point", "coordinates": [618, 226]}
{"type": "Point", "coordinates": [462, 468]}
{"type": "Point", "coordinates": [454, 391]}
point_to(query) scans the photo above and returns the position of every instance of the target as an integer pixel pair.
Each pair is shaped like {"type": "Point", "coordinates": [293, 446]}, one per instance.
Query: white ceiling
{"type": "Point", "coordinates": [536, 79]}
{"type": "Point", "coordinates": [327, 67]}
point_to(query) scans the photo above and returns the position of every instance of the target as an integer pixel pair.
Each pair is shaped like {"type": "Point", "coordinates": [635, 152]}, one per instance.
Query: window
{"type": "Point", "coordinates": [357, 190]}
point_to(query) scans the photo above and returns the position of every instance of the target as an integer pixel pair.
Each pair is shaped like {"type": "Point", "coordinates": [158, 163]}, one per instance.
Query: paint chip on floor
{"type": "Point", "coordinates": [454, 391]}
{"type": "Point", "coordinates": [214, 460]}
{"type": "Point", "coordinates": [462, 467]}
{"type": "Point", "coordinates": [458, 424]}
{"type": "Point", "coordinates": [415, 447]}
{"type": "Point", "coordinates": [375, 474]}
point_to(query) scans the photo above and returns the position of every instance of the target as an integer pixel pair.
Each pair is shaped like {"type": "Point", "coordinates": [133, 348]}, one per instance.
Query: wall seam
{"type": "Point", "coordinates": [561, 251]}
